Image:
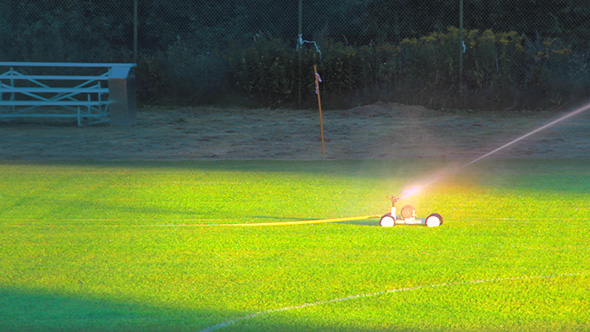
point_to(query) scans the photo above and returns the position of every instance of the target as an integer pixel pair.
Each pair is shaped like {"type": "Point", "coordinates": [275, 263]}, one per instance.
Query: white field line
{"type": "Point", "coordinates": [358, 296]}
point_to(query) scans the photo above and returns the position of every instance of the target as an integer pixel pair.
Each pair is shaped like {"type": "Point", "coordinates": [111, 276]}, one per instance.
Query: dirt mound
{"type": "Point", "coordinates": [373, 131]}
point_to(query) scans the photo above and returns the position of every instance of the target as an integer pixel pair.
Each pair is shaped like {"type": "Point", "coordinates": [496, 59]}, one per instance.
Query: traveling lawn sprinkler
{"type": "Point", "coordinates": [408, 216]}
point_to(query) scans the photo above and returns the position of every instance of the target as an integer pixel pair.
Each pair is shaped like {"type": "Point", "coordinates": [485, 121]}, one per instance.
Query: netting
{"type": "Point", "coordinates": [509, 52]}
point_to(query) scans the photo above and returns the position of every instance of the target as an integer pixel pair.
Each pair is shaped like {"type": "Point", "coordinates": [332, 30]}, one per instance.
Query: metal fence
{"type": "Point", "coordinates": [184, 48]}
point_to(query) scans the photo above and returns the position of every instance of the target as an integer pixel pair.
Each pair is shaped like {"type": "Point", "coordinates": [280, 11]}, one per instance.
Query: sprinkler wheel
{"type": "Point", "coordinates": [434, 220]}
{"type": "Point", "coordinates": [387, 221]}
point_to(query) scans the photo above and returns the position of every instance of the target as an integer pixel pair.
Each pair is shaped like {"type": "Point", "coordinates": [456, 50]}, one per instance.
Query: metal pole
{"type": "Point", "coordinates": [135, 31]}
{"type": "Point", "coordinates": [300, 32]}
{"type": "Point", "coordinates": [460, 48]}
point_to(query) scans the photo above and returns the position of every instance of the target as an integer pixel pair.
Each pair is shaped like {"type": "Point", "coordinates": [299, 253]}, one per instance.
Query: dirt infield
{"type": "Point", "coordinates": [378, 131]}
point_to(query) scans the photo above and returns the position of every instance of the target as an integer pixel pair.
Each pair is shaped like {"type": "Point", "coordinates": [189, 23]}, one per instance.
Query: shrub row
{"type": "Point", "coordinates": [498, 70]}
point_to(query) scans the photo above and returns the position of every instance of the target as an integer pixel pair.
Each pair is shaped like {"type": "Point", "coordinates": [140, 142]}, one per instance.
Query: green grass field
{"type": "Point", "coordinates": [139, 246]}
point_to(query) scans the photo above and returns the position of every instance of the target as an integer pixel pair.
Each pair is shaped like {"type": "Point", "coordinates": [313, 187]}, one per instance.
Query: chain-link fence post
{"type": "Point", "coordinates": [461, 43]}
{"type": "Point", "coordinates": [135, 31]}
{"type": "Point", "coordinates": [299, 64]}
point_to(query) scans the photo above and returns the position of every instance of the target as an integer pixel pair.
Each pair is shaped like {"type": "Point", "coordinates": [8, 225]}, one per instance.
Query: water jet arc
{"type": "Point", "coordinates": [518, 139]}
{"type": "Point", "coordinates": [514, 141]}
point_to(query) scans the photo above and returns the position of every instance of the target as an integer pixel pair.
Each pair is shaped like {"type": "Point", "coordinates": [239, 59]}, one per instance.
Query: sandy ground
{"type": "Point", "coordinates": [378, 131]}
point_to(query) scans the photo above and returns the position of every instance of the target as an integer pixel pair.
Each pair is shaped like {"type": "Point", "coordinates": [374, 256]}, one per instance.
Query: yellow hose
{"type": "Point", "coordinates": [298, 222]}
{"type": "Point", "coordinates": [252, 224]}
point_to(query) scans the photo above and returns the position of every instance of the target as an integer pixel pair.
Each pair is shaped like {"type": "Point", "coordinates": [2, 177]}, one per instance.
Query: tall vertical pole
{"type": "Point", "coordinates": [317, 91]}
{"type": "Point", "coordinates": [135, 31]}
{"type": "Point", "coordinates": [461, 48]}
{"type": "Point", "coordinates": [299, 32]}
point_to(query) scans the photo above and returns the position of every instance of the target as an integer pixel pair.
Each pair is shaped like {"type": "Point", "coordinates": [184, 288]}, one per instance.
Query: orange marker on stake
{"type": "Point", "coordinates": [318, 79]}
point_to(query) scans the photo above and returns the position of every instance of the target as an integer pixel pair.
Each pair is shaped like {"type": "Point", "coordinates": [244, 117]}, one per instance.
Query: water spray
{"type": "Point", "coordinates": [518, 139]}
{"type": "Point", "coordinates": [392, 219]}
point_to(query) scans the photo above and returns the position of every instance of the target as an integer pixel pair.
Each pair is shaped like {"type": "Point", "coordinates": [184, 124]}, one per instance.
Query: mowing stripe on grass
{"type": "Point", "coordinates": [358, 296]}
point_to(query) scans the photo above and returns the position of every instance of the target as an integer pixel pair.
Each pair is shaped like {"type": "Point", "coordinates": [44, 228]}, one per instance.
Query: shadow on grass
{"type": "Point", "coordinates": [43, 311]}
{"type": "Point", "coordinates": [46, 312]}
{"type": "Point", "coordinates": [349, 168]}
{"type": "Point", "coordinates": [364, 222]}
{"type": "Point", "coordinates": [552, 175]}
